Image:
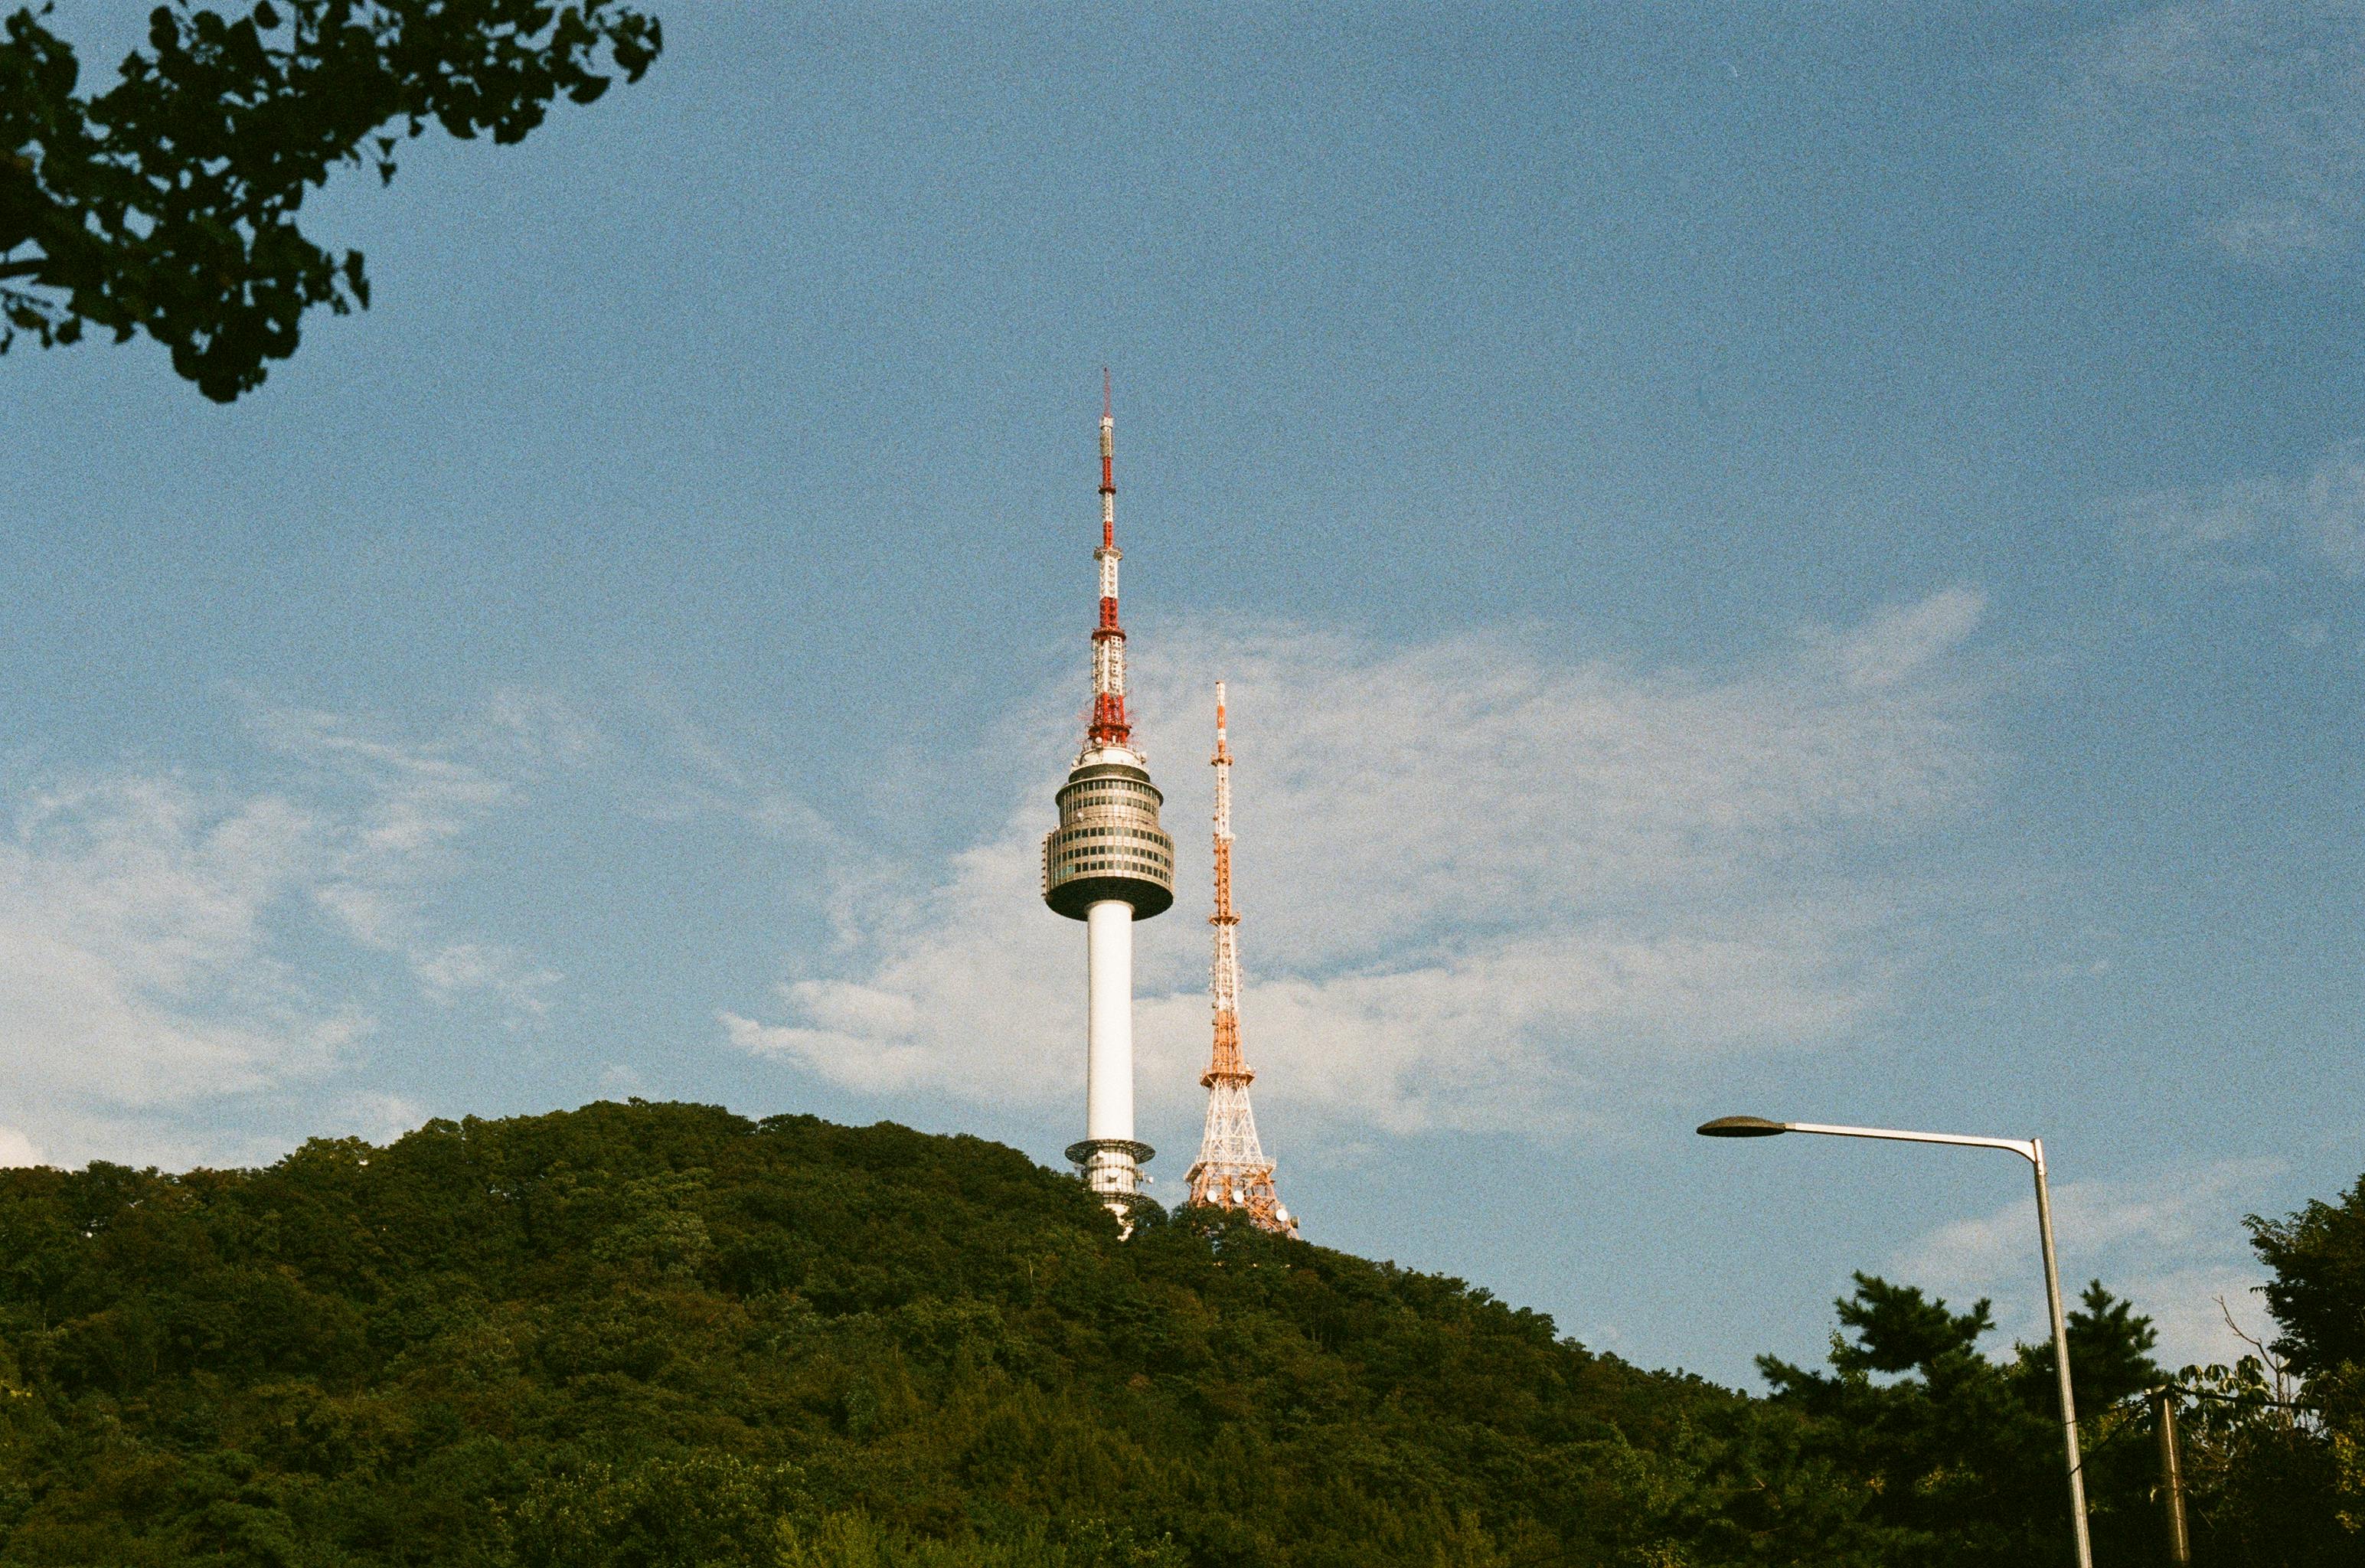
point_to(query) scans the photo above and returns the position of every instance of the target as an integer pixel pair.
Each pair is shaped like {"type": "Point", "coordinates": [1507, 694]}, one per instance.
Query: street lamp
{"type": "Point", "coordinates": [2031, 1150]}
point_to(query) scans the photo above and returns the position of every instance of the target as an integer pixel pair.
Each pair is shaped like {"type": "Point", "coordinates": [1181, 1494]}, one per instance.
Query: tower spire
{"type": "Point", "coordinates": [1232, 1171]}
{"type": "Point", "coordinates": [1112, 724]}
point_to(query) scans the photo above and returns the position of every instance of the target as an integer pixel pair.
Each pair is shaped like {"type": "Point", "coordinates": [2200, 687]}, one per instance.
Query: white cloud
{"type": "Point", "coordinates": [2165, 1240]}
{"type": "Point", "coordinates": [700, 774]}
{"type": "Point", "coordinates": [456, 967]}
{"type": "Point", "coordinates": [2256, 530]}
{"type": "Point", "coordinates": [161, 938]}
{"type": "Point", "coordinates": [2248, 116]}
{"type": "Point", "coordinates": [1484, 882]}
{"type": "Point", "coordinates": [2333, 513]}
{"type": "Point", "coordinates": [15, 1148]}
{"type": "Point", "coordinates": [1900, 641]}
{"type": "Point", "coordinates": [404, 810]}
{"type": "Point", "coordinates": [135, 967]}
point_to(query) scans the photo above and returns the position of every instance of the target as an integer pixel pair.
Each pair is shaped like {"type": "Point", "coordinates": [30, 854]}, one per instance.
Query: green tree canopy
{"type": "Point", "coordinates": [667, 1337]}
{"type": "Point", "coordinates": [2280, 1461]}
{"type": "Point", "coordinates": [2317, 1295]}
{"type": "Point", "coordinates": [1961, 1456]}
{"type": "Point", "coordinates": [167, 203]}
{"type": "Point", "coordinates": [664, 1335]}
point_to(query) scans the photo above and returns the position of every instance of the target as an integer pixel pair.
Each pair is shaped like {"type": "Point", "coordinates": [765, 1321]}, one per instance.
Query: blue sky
{"type": "Point", "coordinates": [1767, 562]}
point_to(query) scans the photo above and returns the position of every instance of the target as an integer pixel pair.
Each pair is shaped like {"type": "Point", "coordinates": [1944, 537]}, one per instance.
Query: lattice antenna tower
{"type": "Point", "coordinates": [1232, 1171]}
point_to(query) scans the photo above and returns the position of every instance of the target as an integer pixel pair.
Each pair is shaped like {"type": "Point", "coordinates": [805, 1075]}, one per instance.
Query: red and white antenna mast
{"type": "Point", "coordinates": [1110, 726]}
{"type": "Point", "coordinates": [1232, 1171]}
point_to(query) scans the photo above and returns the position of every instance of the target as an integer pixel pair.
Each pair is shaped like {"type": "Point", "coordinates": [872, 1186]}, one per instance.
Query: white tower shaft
{"type": "Point", "coordinates": [1108, 1069]}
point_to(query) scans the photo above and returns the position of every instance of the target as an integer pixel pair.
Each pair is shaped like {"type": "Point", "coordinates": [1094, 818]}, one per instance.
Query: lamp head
{"type": "Point", "coordinates": [1740, 1126]}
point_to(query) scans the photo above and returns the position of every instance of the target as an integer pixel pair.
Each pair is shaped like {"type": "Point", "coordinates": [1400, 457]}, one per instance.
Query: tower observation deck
{"type": "Point", "coordinates": [1109, 864]}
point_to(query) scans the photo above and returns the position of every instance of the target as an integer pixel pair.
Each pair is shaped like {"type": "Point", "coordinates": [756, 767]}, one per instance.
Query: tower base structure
{"type": "Point", "coordinates": [1112, 1167]}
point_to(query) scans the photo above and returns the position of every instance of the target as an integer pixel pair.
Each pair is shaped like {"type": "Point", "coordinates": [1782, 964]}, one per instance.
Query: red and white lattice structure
{"type": "Point", "coordinates": [1232, 1171]}
{"type": "Point", "coordinates": [1109, 864]}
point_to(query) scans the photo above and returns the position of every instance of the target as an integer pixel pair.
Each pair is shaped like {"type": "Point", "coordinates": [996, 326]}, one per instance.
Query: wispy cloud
{"type": "Point", "coordinates": [1482, 879]}
{"type": "Point", "coordinates": [2308, 526]}
{"type": "Point", "coordinates": [166, 940]}
{"type": "Point", "coordinates": [689, 772]}
{"type": "Point", "coordinates": [2170, 1240]}
{"type": "Point", "coordinates": [135, 963]}
{"type": "Point", "coordinates": [400, 808]}
{"type": "Point", "coordinates": [2246, 116]}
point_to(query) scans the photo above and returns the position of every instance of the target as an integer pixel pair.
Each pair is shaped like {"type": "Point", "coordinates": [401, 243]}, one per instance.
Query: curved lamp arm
{"type": "Point", "coordinates": [2030, 1149]}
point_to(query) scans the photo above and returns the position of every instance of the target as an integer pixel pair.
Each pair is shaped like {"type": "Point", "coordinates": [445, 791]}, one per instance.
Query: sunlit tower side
{"type": "Point", "coordinates": [1109, 864]}
{"type": "Point", "coordinates": [1232, 1171]}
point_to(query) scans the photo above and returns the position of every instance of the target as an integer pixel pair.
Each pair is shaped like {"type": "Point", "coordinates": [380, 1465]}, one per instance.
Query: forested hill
{"type": "Point", "coordinates": [663, 1333]}
{"type": "Point", "coordinates": [664, 1336]}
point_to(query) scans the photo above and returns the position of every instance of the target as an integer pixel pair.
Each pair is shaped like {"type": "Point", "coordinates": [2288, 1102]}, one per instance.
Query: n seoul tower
{"type": "Point", "coordinates": [1109, 864]}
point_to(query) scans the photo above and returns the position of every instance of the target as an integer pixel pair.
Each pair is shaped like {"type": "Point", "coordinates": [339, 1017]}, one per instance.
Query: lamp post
{"type": "Point", "coordinates": [2171, 1476]}
{"type": "Point", "coordinates": [2031, 1150]}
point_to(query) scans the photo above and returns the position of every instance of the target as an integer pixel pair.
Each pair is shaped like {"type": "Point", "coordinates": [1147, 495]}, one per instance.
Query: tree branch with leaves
{"type": "Point", "coordinates": [168, 203]}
